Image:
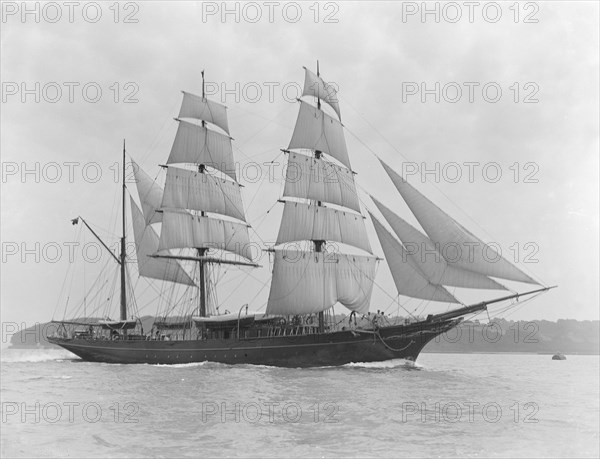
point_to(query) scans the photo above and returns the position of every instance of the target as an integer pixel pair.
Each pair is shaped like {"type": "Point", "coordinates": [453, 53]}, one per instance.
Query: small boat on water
{"type": "Point", "coordinates": [559, 356]}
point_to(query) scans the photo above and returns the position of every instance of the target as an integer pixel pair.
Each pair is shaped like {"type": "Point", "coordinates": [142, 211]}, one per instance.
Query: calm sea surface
{"type": "Point", "coordinates": [467, 405]}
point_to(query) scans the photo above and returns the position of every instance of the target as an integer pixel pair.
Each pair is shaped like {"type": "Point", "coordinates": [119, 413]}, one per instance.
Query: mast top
{"type": "Point", "coordinates": [318, 98]}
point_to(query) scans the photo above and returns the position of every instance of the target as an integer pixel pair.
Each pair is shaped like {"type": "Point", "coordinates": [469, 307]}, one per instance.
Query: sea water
{"type": "Point", "coordinates": [457, 405]}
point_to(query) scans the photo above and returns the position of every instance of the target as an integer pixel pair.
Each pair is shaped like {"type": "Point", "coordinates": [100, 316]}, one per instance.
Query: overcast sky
{"type": "Point", "coordinates": [540, 132]}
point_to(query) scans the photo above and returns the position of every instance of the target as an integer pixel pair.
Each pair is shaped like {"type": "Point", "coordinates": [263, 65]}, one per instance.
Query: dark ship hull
{"type": "Point", "coordinates": [310, 350]}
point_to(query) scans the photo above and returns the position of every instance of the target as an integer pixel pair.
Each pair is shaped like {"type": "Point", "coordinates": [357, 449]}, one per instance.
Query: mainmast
{"type": "Point", "coordinates": [320, 204]}
{"type": "Point", "coordinates": [319, 243]}
{"type": "Point", "coordinates": [202, 251]}
{"type": "Point", "coordinates": [192, 206]}
{"type": "Point", "coordinates": [123, 283]}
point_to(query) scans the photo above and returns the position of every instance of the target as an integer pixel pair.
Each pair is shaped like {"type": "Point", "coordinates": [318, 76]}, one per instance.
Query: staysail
{"type": "Point", "coordinates": [458, 246]}
{"type": "Point", "coordinates": [409, 279]}
{"type": "Point", "coordinates": [146, 244]}
{"type": "Point", "coordinates": [150, 194]}
{"type": "Point", "coordinates": [426, 256]}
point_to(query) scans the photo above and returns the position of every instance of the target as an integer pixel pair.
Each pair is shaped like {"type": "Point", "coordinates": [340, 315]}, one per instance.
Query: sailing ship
{"type": "Point", "coordinates": [199, 219]}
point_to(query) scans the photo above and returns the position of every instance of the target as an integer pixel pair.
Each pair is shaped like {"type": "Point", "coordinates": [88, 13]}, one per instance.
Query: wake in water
{"type": "Point", "coordinates": [394, 363]}
{"type": "Point", "coordinates": [35, 355]}
{"type": "Point", "coordinates": [183, 365]}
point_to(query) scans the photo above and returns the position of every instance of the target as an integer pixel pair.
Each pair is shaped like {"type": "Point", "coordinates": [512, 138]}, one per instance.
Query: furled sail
{"type": "Point", "coordinates": [315, 130]}
{"type": "Point", "coordinates": [320, 180]}
{"type": "Point", "coordinates": [429, 259]}
{"type": "Point", "coordinates": [199, 145]}
{"type": "Point", "coordinates": [201, 108]}
{"type": "Point", "coordinates": [309, 222]}
{"type": "Point", "coordinates": [186, 189]}
{"type": "Point", "coordinates": [458, 246]}
{"type": "Point", "coordinates": [150, 194]}
{"type": "Point", "coordinates": [315, 86]}
{"type": "Point", "coordinates": [146, 243]}
{"type": "Point", "coordinates": [310, 282]}
{"type": "Point", "coordinates": [408, 277]}
{"type": "Point", "coordinates": [181, 230]}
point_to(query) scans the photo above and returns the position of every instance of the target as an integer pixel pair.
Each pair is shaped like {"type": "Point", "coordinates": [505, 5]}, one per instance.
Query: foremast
{"type": "Point", "coordinates": [311, 282]}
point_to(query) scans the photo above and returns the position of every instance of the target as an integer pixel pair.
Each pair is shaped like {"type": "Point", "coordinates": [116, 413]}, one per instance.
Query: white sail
{"type": "Point", "coordinates": [426, 256]}
{"type": "Point", "coordinates": [320, 180]}
{"type": "Point", "coordinates": [407, 276]}
{"type": "Point", "coordinates": [181, 230]}
{"type": "Point", "coordinates": [199, 108]}
{"type": "Point", "coordinates": [200, 145]}
{"type": "Point", "coordinates": [457, 245]}
{"type": "Point", "coordinates": [150, 194]}
{"type": "Point", "coordinates": [185, 189]}
{"type": "Point", "coordinates": [315, 130]}
{"type": "Point", "coordinates": [311, 282]}
{"type": "Point", "coordinates": [146, 243]}
{"type": "Point", "coordinates": [308, 222]}
{"type": "Point", "coordinates": [315, 86]}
